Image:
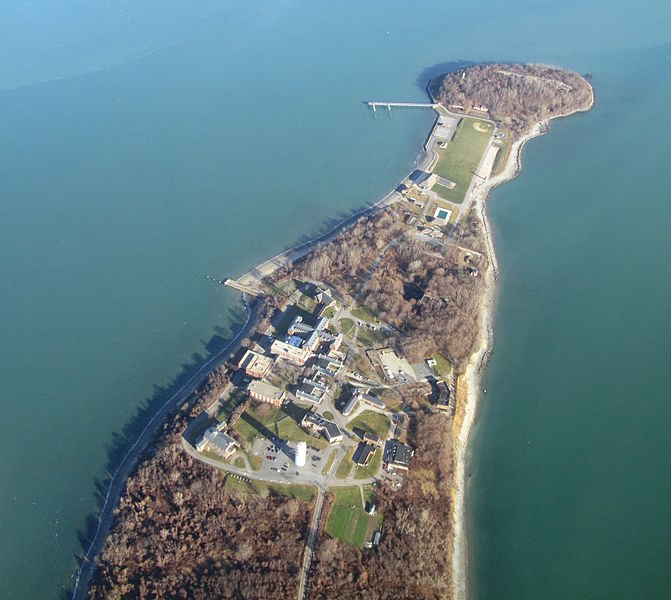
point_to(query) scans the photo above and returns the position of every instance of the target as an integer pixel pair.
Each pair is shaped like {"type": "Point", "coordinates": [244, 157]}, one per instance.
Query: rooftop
{"type": "Point", "coordinates": [363, 454]}
{"type": "Point", "coordinates": [265, 389]}
{"type": "Point", "coordinates": [397, 454]}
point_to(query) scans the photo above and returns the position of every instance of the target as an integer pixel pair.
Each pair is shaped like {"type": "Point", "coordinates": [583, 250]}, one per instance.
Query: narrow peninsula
{"type": "Point", "coordinates": [323, 456]}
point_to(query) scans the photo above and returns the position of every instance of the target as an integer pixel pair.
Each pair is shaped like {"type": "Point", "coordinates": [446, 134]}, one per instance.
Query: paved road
{"type": "Point", "coordinates": [290, 477]}
{"type": "Point", "coordinates": [310, 546]}
{"type": "Point", "coordinates": [118, 479]}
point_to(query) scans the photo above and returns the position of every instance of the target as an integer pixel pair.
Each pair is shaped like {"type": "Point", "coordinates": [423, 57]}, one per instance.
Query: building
{"type": "Point", "coordinates": [330, 430]}
{"type": "Point", "coordinates": [265, 392]}
{"type": "Point", "coordinates": [255, 364]}
{"type": "Point", "coordinates": [217, 442]}
{"type": "Point", "coordinates": [311, 391]}
{"type": "Point", "coordinates": [442, 395]}
{"type": "Point", "coordinates": [290, 351]}
{"type": "Point", "coordinates": [363, 454]}
{"type": "Point", "coordinates": [372, 438]}
{"type": "Point", "coordinates": [298, 326]}
{"type": "Point", "coordinates": [326, 301]}
{"type": "Point", "coordinates": [349, 407]}
{"type": "Point", "coordinates": [397, 455]}
{"type": "Point", "coordinates": [367, 398]}
{"type": "Point", "coordinates": [423, 179]}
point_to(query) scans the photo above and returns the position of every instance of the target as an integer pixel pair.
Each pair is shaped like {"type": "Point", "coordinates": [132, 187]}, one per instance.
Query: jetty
{"type": "Point", "coordinates": [247, 289]}
{"type": "Point", "coordinates": [374, 104]}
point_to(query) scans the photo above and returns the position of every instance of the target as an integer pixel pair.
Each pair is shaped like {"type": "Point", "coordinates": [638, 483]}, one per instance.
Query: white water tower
{"type": "Point", "coordinates": [301, 453]}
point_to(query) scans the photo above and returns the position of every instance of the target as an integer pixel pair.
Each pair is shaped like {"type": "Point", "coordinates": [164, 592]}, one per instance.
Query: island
{"type": "Point", "coordinates": [324, 457]}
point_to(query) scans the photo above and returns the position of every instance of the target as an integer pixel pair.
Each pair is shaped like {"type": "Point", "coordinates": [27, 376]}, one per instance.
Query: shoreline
{"type": "Point", "coordinates": [478, 361]}
{"type": "Point", "coordinates": [480, 358]}
{"type": "Point", "coordinates": [117, 480]}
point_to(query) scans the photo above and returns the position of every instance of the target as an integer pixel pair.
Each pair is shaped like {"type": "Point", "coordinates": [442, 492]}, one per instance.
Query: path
{"type": "Point", "coordinates": [310, 546]}
{"type": "Point", "coordinates": [118, 479]}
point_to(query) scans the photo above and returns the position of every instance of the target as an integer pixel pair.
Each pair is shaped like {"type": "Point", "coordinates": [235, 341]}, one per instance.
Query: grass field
{"type": "Point", "coordinates": [347, 519]}
{"type": "Point", "coordinates": [346, 464]}
{"type": "Point", "coordinates": [371, 468]}
{"type": "Point", "coordinates": [443, 365]}
{"type": "Point", "coordinates": [226, 408]}
{"type": "Point", "coordinates": [462, 156]}
{"type": "Point", "coordinates": [370, 337]}
{"type": "Point", "coordinates": [329, 462]}
{"type": "Point", "coordinates": [371, 421]}
{"type": "Point", "coordinates": [365, 314]}
{"type": "Point", "coordinates": [276, 421]}
{"type": "Point", "coordinates": [347, 326]}
{"type": "Point", "coordinates": [251, 486]}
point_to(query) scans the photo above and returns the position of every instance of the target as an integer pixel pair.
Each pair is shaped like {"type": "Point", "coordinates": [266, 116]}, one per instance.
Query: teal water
{"type": "Point", "coordinates": [145, 147]}
{"type": "Point", "coordinates": [569, 489]}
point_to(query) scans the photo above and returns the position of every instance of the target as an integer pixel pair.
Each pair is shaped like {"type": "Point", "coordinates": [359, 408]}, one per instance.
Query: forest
{"type": "Point", "coordinates": [427, 293]}
{"type": "Point", "coordinates": [179, 533]}
{"type": "Point", "coordinates": [516, 95]}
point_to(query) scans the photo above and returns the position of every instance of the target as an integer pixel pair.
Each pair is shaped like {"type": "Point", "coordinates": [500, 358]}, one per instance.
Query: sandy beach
{"type": "Point", "coordinates": [473, 373]}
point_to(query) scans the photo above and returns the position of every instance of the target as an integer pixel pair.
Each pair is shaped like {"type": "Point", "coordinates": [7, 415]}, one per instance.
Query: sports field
{"type": "Point", "coordinates": [462, 156]}
{"type": "Point", "coordinates": [347, 520]}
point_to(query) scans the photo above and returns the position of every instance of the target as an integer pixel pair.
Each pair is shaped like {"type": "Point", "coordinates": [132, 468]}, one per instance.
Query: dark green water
{"type": "Point", "coordinates": [569, 492]}
{"type": "Point", "coordinates": [146, 145]}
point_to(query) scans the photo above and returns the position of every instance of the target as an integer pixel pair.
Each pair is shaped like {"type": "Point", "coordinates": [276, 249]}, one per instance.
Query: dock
{"type": "Point", "coordinates": [243, 288]}
{"type": "Point", "coordinates": [374, 104]}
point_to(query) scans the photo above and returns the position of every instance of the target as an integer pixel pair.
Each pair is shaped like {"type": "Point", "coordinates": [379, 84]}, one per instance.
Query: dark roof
{"type": "Point", "coordinates": [373, 437]}
{"type": "Point", "coordinates": [417, 176]}
{"type": "Point", "coordinates": [396, 453]}
{"type": "Point", "coordinates": [331, 430]}
{"type": "Point", "coordinates": [363, 453]}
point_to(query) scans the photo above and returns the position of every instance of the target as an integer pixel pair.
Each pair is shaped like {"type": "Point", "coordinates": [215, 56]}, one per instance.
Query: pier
{"type": "Point", "coordinates": [388, 105]}
{"type": "Point", "coordinates": [243, 288]}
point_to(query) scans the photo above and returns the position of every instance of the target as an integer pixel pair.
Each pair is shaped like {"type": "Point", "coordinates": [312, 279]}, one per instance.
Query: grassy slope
{"type": "Point", "coordinates": [371, 421]}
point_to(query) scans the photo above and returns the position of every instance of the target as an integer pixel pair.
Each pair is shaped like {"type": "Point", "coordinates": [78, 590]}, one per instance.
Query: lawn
{"type": "Point", "coordinates": [329, 312]}
{"type": "Point", "coordinates": [345, 465]}
{"type": "Point", "coordinates": [443, 365]}
{"type": "Point", "coordinates": [365, 314]}
{"type": "Point", "coordinates": [329, 462]}
{"type": "Point", "coordinates": [292, 311]}
{"type": "Point", "coordinates": [329, 415]}
{"type": "Point", "coordinates": [370, 337]}
{"type": "Point", "coordinates": [268, 421]}
{"type": "Point", "coordinates": [347, 520]}
{"type": "Point", "coordinates": [226, 408]}
{"type": "Point", "coordinates": [347, 326]}
{"type": "Point", "coordinates": [242, 485]}
{"type": "Point", "coordinates": [462, 156]}
{"type": "Point", "coordinates": [371, 421]}
{"type": "Point", "coordinates": [285, 288]}
{"type": "Point", "coordinates": [372, 468]}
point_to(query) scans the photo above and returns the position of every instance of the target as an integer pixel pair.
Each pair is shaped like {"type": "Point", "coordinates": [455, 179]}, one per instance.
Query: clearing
{"type": "Point", "coordinates": [371, 421]}
{"type": "Point", "coordinates": [347, 520]}
{"type": "Point", "coordinates": [462, 156]}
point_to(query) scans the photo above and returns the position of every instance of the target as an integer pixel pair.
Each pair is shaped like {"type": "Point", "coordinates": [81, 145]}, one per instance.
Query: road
{"type": "Point", "coordinates": [127, 463]}
{"type": "Point", "coordinates": [310, 546]}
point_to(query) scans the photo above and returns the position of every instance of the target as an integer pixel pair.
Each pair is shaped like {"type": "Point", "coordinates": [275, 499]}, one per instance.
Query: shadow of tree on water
{"type": "Point", "coordinates": [170, 397]}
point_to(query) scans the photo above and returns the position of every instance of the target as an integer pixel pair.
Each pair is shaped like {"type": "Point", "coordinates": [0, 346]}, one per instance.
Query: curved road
{"type": "Point", "coordinates": [130, 459]}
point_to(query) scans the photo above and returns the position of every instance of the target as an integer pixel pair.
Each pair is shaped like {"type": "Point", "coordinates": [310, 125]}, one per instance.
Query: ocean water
{"type": "Point", "coordinates": [144, 147]}
{"type": "Point", "coordinates": [569, 474]}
